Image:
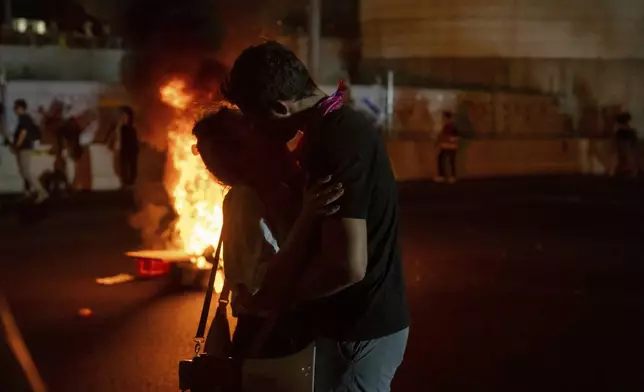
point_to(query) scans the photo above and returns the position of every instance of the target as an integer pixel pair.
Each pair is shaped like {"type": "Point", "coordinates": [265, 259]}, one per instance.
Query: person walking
{"type": "Point", "coordinates": [626, 145]}
{"type": "Point", "coordinates": [26, 136]}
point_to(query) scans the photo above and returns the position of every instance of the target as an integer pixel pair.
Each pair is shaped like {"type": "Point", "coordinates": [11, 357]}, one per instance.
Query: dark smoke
{"type": "Point", "coordinates": [195, 40]}
{"type": "Point", "coordinates": [175, 25]}
{"type": "Point", "coordinates": [165, 39]}
{"type": "Point", "coordinates": [168, 37]}
{"type": "Point", "coordinates": [175, 36]}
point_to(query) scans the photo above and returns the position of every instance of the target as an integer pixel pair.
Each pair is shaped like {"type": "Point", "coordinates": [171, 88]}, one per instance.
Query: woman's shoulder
{"type": "Point", "coordinates": [241, 192]}
{"type": "Point", "coordinates": [242, 198]}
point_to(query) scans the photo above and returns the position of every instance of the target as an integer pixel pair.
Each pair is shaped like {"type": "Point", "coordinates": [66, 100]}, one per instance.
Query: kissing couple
{"type": "Point", "coordinates": [311, 235]}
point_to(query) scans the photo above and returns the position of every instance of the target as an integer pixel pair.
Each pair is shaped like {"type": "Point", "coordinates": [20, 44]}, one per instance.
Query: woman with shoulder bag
{"type": "Point", "coordinates": [266, 220]}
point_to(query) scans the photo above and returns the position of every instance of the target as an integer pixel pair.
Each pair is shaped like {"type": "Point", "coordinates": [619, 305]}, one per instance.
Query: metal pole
{"type": "Point", "coordinates": [4, 133]}
{"type": "Point", "coordinates": [7, 12]}
{"type": "Point", "coordinates": [314, 37]}
{"type": "Point", "coordinates": [390, 101]}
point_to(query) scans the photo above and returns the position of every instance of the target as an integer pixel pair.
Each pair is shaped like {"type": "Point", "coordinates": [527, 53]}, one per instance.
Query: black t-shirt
{"type": "Point", "coordinates": [25, 122]}
{"type": "Point", "coordinates": [626, 134]}
{"type": "Point", "coordinates": [349, 148]}
{"type": "Point", "coordinates": [129, 141]}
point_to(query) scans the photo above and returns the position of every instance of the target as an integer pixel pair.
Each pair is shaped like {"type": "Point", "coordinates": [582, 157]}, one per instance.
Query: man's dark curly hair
{"type": "Point", "coordinates": [264, 74]}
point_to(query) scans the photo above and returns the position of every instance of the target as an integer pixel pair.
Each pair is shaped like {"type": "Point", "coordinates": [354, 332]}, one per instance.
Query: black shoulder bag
{"type": "Point", "coordinates": [218, 371]}
{"type": "Point", "coordinates": [212, 372]}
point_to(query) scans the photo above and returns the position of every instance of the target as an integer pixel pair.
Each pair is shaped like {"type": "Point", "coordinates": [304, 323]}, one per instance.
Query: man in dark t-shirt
{"type": "Point", "coordinates": [353, 279]}
{"type": "Point", "coordinates": [25, 137]}
{"type": "Point", "coordinates": [626, 144]}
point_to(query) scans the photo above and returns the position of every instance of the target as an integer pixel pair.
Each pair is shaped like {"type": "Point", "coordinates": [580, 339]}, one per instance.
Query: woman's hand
{"type": "Point", "coordinates": [244, 299]}
{"type": "Point", "coordinates": [319, 198]}
{"type": "Point", "coordinates": [256, 303]}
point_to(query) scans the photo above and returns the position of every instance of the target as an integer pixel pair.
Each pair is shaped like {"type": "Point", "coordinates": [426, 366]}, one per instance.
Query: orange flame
{"type": "Point", "coordinates": [174, 94]}
{"type": "Point", "coordinates": [196, 197]}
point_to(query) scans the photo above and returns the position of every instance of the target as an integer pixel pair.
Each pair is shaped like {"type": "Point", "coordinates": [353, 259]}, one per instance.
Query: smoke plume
{"type": "Point", "coordinates": [196, 40]}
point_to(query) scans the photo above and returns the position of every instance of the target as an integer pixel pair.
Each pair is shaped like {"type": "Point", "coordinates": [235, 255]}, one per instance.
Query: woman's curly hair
{"type": "Point", "coordinates": [220, 142]}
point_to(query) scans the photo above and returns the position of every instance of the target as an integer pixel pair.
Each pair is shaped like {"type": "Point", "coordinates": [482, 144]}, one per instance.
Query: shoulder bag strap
{"type": "Point", "coordinates": [263, 333]}
{"type": "Point", "coordinates": [201, 329]}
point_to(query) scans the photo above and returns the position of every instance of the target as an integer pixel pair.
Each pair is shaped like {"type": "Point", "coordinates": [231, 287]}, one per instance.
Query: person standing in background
{"type": "Point", "coordinates": [125, 144]}
{"type": "Point", "coordinates": [447, 145]}
{"type": "Point", "coordinates": [626, 145]}
{"type": "Point", "coordinates": [25, 138]}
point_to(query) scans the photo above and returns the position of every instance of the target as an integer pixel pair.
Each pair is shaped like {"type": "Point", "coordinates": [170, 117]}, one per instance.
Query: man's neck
{"type": "Point", "coordinates": [309, 102]}
{"type": "Point", "coordinates": [304, 107]}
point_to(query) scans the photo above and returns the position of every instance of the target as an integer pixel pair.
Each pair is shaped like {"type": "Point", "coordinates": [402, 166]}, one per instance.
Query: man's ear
{"type": "Point", "coordinates": [281, 109]}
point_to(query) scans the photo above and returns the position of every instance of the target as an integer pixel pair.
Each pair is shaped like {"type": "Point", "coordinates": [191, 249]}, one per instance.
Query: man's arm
{"type": "Point", "coordinates": [341, 261]}
{"type": "Point", "coordinates": [20, 138]}
{"type": "Point", "coordinates": [342, 257]}
{"type": "Point", "coordinates": [282, 270]}
{"type": "Point", "coordinates": [5, 136]}
{"type": "Point", "coordinates": [281, 273]}
{"type": "Point", "coordinates": [337, 258]}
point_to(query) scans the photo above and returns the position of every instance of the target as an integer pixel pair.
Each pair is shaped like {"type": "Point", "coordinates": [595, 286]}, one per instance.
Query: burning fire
{"type": "Point", "coordinates": [196, 197]}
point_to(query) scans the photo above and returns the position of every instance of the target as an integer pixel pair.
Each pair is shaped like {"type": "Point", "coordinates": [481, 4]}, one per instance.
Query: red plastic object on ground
{"type": "Point", "coordinates": [150, 268]}
{"type": "Point", "coordinates": [153, 263]}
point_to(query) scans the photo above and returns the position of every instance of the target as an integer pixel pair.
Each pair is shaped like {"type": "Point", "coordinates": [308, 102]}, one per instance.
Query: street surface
{"type": "Point", "coordinates": [514, 285]}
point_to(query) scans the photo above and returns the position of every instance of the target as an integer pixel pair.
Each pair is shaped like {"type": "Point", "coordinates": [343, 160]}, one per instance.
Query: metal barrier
{"type": "Point", "coordinates": [75, 40]}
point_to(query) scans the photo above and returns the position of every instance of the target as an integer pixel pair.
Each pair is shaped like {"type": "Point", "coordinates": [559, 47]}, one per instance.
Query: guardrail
{"type": "Point", "coordinates": [73, 40]}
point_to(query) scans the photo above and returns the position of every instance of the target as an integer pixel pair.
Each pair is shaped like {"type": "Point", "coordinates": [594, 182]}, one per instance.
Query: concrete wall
{"type": "Point", "coordinates": [503, 28]}
{"type": "Point", "coordinates": [332, 67]}
{"type": "Point", "coordinates": [42, 163]}
{"type": "Point", "coordinates": [587, 90]}
{"type": "Point", "coordinates": [59, 63]}
{"type": "Point", "coordinates": [94, 171]}
{"type": "Point", "coordinates": [588, 52]}
{"type": "Point", "coordinates": [416, 160]}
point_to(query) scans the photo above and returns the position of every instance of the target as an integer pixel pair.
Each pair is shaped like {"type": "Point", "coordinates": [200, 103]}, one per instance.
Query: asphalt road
{"type": "Point", "coordinates": [514, 285]}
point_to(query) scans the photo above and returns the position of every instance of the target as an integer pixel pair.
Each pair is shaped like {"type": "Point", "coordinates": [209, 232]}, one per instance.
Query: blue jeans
{"type": "Point", "coordinates": [363, 366]}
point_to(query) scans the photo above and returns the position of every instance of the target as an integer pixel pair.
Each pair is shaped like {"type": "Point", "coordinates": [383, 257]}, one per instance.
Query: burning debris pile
{"type": "Point", "coordinates": [173, 71]}
{"type": "Point", "coordinates": [193, 194]}
{"type": "Point", "coordinates": [196, 197]}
